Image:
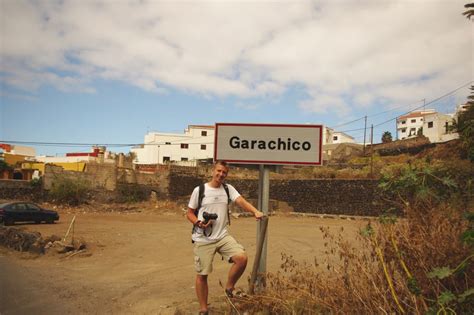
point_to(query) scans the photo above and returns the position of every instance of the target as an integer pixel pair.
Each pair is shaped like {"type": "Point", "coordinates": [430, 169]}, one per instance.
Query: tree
{"type": "Point", "coordinates": [465, 126]}
{"type": "Point", "coordinates": [387, 137]}
{"type": "Point", "coordinates": [470, 11]}
{"type": "Point", "coordinates": [4, 166]}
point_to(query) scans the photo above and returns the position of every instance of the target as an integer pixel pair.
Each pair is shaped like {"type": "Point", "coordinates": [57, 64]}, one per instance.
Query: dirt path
{"type": "Point", "coordinates": [140, 263]}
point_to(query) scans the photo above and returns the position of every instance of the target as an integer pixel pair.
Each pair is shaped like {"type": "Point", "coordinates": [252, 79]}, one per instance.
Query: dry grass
{"type": "Point", "coordinates": [386, 270]}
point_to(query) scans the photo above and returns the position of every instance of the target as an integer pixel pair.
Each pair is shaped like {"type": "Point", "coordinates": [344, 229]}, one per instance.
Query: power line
{"type": "Point", "coordinates": [433, 101]}
{"type": "Point", "coordinates": [180, 141]}
{"type": "Point", "coordinates": [402, 106]}
{"type": "Point", "coordinates": [347, 123]}
{"type": "Point", "coordinates": [71, 144]}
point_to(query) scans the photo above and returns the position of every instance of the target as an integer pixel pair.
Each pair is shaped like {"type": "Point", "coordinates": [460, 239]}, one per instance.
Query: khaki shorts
{"type": "Point", "coordinates": [204, 253]}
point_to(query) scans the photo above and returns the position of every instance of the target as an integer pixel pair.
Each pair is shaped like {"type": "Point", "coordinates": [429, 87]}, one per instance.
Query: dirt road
{"type": "Point", "coordinates": [140, 263]}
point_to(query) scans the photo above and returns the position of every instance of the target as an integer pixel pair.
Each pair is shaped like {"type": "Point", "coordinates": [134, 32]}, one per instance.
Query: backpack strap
{"type": "Point", "coordinates": [226, 188]}
{"type": "Point", "coordinates": [202, 187]}
{"type": "Point", "coordinates": [200, 198]}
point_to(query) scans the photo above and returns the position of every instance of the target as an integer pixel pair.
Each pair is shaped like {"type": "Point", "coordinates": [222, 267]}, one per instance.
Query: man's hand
{"type": "Point", "coordinates": [203, 225]}
{"type": "Point", "coordinates": [258, 215]}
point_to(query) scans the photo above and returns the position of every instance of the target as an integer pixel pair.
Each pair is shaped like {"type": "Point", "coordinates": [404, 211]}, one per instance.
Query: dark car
{"type": "Point", "coordinates": [12, 212]}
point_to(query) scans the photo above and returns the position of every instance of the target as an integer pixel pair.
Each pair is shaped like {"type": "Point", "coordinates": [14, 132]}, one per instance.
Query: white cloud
{"type": "Point", "coordinates": [396, 51]}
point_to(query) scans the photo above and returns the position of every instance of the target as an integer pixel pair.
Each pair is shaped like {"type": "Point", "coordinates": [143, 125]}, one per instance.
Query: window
{"type": "Point", "coordinates": [184, 146]}
{"type": "Point", "coordinates": [413, 130]}
{"type": "Point", "coordinates": [184, 159]}
{"type": "Point", "coordinates": [430, 124]}
{"type": "Point", "coordinates": [33, 207]}
{"type": "Point", "coordinates": [403, 122]}
{"type": "Point", "coordinates": [413, 120]}
{"type": "Point", "coordinates": [167, 142]}
{"type": "Point", "coordinates": [203, 147]}
{"type": "Point", "coordinates": [404, 130]}
{"type": "Point", "coordinates": [203, 133]}
{"type": "Point", "coordinates": [19, 207]}
{"type": "Point", "coordinates": [166, 159]}
{"type": "Point", "coordinates": [334, 138]}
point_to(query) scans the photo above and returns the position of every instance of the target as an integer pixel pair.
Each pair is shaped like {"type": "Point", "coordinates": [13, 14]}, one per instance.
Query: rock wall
{"type": "Point", "coordinates": [19, 190]}
{"type": "Point", "coordinates": [328, 196]}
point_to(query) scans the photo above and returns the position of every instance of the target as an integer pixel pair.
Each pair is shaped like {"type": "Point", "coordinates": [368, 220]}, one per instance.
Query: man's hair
{"type": "Point", "coordinates": [220, 162]}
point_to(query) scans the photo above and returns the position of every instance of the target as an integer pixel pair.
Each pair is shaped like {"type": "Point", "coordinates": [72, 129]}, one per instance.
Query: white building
{"type": "Point", "coordinates": [98, 154]}
{"type": "Point", "coordinates": [438, 127]}
{"type": "Point", "coordinates": [196, 143]}
{"type": "Point", "coordinates": [17, 149]}
{"type": "Point", "coordinates": [331, 136]}
{"type": "Point", "coordinates": [409, 125]}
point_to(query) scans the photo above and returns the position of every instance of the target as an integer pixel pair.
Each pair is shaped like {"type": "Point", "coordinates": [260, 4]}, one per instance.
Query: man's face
{"type": "Point", "coordinates": [219, 173]}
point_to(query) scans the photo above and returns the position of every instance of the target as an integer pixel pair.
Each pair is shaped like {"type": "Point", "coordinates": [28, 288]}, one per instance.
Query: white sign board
{"type": "Point", "coordinates": [268, 143]}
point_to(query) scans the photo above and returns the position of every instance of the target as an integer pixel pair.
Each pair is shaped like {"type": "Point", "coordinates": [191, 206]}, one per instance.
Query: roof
{"type": "Point", "coordinates": [416, 114]}
{"type": "Point", "coordinates": [201, 126]}
{"type": "Point", "coordinates": [343, 134]}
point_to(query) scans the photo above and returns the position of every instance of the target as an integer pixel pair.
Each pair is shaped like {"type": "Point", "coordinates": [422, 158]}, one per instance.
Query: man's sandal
{"type": "Point", "coordinates": [231, 293]}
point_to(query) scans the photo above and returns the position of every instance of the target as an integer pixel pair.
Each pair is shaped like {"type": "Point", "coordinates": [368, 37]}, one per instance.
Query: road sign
{"type": "Point", "coordinates": [268, 143]}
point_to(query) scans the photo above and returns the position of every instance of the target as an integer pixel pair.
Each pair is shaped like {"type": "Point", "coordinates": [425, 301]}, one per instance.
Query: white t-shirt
{"type": "Point", "coordinates": [214, 201]}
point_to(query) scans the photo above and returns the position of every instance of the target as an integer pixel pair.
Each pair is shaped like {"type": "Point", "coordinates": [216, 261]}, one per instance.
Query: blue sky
{"type": "Point", "coordinates": [106, 72]}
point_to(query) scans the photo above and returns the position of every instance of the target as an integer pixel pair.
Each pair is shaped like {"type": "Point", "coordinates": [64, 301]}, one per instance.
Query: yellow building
{"type": "Point", "coordinates": [68, 166]}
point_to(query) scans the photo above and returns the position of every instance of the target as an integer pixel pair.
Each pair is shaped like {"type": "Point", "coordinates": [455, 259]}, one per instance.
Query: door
{"type": "Point", "coordinates": [34, 212]}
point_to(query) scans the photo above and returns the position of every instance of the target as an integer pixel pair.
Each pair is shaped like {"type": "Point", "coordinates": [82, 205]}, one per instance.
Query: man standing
{"type": "Point", "coordinates": [211, 236]}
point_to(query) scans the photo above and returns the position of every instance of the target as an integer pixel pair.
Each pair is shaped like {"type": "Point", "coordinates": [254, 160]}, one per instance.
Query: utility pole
{"type": "Point", "coordinates": [372, 151]}
{"type": "Point", "coordinates": [365, 131]}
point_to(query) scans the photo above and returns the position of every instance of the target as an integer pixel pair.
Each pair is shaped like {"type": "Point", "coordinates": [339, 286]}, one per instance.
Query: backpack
{"type": "Point", "coordinates": [202, 188]}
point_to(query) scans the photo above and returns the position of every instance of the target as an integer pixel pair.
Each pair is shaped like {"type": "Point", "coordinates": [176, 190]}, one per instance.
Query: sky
{"type": "Point", "coordinates": [107, 72]}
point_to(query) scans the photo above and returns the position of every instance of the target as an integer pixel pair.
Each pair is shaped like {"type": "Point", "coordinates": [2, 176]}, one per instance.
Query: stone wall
{"type": "Point", "coordinates": [411, 146]}
{"type": "Point", "coordinates": [102, 176]}
{"type": "Point", "coordinates": [328, 196]}
{"type": "Point", "coordinates": [157, 182]}
{"type": "Point", "coordinates": [19, 190]}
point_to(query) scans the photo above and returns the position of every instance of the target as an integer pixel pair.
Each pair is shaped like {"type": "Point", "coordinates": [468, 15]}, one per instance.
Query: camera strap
{"type": "Point", "coordinates": [202, 188]}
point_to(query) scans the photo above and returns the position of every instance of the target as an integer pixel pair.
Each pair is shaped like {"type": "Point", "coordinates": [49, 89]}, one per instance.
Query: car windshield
{"type": "Point", "coordinates": [3, 205]}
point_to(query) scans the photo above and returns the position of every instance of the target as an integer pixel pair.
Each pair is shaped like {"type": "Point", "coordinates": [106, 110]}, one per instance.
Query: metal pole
{"type": "Point", "coordinates": [258, 256]}
{"type": "Point", "coordinates": [365, 131]}
{"type": "Point", "coordinates": [263, 201]}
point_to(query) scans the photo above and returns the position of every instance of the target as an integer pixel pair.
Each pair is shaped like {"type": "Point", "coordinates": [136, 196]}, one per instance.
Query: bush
{"type": "Point", "coordinates": [132, 193]}
{"type": "Point", "coordinates": [72, 191]}
{"type": "Point", "coordinates": [416, 266]}
{"type": "Point", "coordinates": [420, 264]}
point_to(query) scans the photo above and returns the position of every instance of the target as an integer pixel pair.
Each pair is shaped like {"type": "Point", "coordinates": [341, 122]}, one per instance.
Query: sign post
{"type": "Point", "coordinates": [264, 145]}
{"type": "Point", "coordinates": [263, 203]}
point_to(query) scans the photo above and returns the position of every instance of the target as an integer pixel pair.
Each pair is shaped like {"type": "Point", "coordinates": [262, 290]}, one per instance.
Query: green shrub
{"type": "Point", "coordinates": [72, 191]}
{"type": "Point", "coordinates": [132, 193]}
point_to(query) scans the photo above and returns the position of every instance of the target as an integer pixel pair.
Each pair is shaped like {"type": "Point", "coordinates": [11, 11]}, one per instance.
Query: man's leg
{"type": "Point", "coordinates": [202, 291]}
{"type": "Point", "coordinates": [238, 267]}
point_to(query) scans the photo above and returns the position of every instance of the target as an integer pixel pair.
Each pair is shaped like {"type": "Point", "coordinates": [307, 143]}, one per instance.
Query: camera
{"type": "Point", "coordinates": [208, 216]}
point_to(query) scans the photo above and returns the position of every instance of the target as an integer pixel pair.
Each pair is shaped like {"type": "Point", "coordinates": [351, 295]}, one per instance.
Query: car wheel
{"type": "Point", "coordinates": [9, 221]}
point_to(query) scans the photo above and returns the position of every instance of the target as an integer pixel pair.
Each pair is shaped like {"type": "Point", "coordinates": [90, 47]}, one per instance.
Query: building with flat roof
{"type": "Point", "coordinates": [196, 143]}
{"type": "Point", "coordinates": [410, 124]}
